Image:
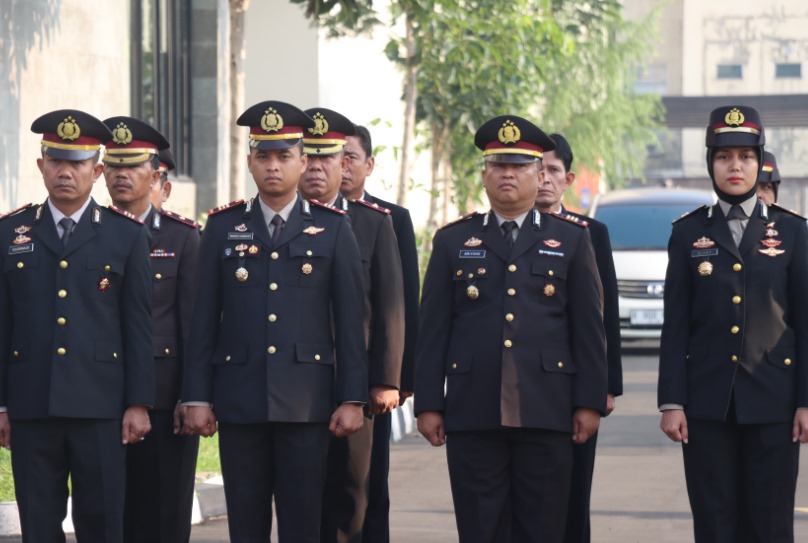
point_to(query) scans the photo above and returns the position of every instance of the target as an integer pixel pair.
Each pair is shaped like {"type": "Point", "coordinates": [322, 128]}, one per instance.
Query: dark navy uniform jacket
{"type": "Point", "coordinates": [264, 348]}
{"type": "Point", "coordinates": [735, 317]}
{"type": "Point", "coordinates": [75, 334]}
{"type": "Point", "coordinates": [174, 254]}
{"type": "Point", "coordinates": [383, 290]}
{"type": "Point", "coordinates": [529, 348]}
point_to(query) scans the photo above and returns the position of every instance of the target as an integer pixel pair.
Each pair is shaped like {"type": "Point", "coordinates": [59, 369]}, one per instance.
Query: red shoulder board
{"type": "Point", "coordinates": [123, 213]}
{"type": "Point", "coordinates": [784, 210]}
{"type": "Point", "coordinates": [375, 206]}
{"type": "Point", "coordinates": [461, 219]}
{"type": "Point", "coordinates": [689, 213]}
{"type": "Point", "coordinates": [225, 207]}
{"type": "Point", "coordinates": [571, 218]}
{"type": "Point", "coordinates": [15, 211]}
{"type": "Point", "coordinates": [329, 207]}
{"type": "Point", "coordinates": [179, 218]}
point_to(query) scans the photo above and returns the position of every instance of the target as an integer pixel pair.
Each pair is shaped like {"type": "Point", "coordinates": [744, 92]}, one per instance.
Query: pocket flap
{"type": "Point", "coordinates": [314, 354]}
{"type": "Point", "coordinates": [557, 362]}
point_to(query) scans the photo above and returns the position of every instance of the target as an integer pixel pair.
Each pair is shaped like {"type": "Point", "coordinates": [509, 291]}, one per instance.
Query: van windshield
{"type": "Point", "coordinates": [641, 227]}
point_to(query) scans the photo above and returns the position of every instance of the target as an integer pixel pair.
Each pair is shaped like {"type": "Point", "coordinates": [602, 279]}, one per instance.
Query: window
{"type": "Point", "coordinates": [730, 71]}
{"type": "Point", "coordinates": [160, 71]}
{"type": "Point", "coordinates": [788, 70]}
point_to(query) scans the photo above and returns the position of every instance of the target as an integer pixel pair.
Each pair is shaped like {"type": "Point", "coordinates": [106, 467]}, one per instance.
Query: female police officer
{"type": "Point", "coordinates": [733, 386]}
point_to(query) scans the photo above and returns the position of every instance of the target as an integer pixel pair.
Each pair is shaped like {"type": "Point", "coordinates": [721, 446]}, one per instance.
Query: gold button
{"type": "Point", "coordinates": [736, 300]}
{"type": "Point", "coordinates": [273, 286]}
{"type": "Point", "coordinates": [737, 267]}
{"type": "Point", "coordinates": [227, 358]}
{"type": "Point", "coordinates": [733, 358]}
{"type": "Point", "coordinates": [272, 350]}
{"type": "Point", "coordinates": [16, 354]}
{"type": "Point", "coordinates": [787, 361]}
{"type": "Point", "coordinates": [241, 253]}
{"type": "Point", "coordinates": [168, 351]}
{"type": "Point", "coordinates": [512, 268]}
{"type": "Point", "coordinates": [511, 292]}
{"type": "Point", "coordinates": [61, 321]}
{"type": "Point", "coordinates": [509, 317]}
{"type": "Point", "coordinates": [63, 264]}
{"type": "Point", "coordinates": [61, 351]}
{"type": "Point", "coordinates": [309, 253]}
{"type": "Point", "coordinates": [62, 293]}
{"type": "Point", "coordinates": [508, 343]}
{"type": "Point", "coordinates": [734, 329]}
{"type": "Point", "coordinates": [115, 355]}
{"type": "Point", "coordinates": [317, 357]}
{"type": "Point", "coordinates": [20, 265]}
{"type": "Point", "coordinates": [454, 366]}
{"type": "Point", "coordinates": [560, 364]}
{"type": "Point", "coordinates": [272, 317]}
{"type": "Point", "coordinates": [158, 276]}
{"type": "Point", "coordinates": [471, 276]}
{"type": "Point", "coordinates": [273, 255]}
{"type": "Point", "coordinates": [107, 268]}
{"type": "Point", "coordinates": [550, 273]}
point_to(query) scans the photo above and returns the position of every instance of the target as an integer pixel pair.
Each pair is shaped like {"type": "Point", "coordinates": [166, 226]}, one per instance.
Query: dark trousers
{"type": "Point", "coordinates": [160, 484]}
{"type": "Point", "coordinates": [90, 451]}
{"type": "Point", "coordinates": [510, 485]}
{"type": "Point", "coordinates": [286, 460]}
{"type": "Point", "coordinates": [741, 481]}
{"type": "Point", "coordinates": [583, 467]}
{"type": "Point", "coordinates": [345, 499]}
{"type": "Point", "coordinates": [377, 516]}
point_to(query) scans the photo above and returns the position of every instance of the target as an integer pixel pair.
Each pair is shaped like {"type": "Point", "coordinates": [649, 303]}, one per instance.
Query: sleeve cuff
{"type": "Point", "coordinates": [670, 406]}
{"type": "Point", "coordinates": [198, 404]}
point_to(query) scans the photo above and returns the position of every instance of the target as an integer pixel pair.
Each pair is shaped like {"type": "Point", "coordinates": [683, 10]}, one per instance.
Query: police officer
{"type": "Point", "coordinates": [160, 471]}
{"type": "Point", "coordinates": [346, 490]}
{"type": "Point", "coordinates": [276, 342]}
{"type": "Point", "coordinates": [733, 383]}
{"type": "Point", "coordinates": [77, 375]}
{"type": "Point", "coordinates": [769, 179]}
{"type": "Point", "coordinates": [556, 179]}
{"type": "Point", "coordinates": [511, 320]}
{"type": "Point", "coordinates": [359, 152]}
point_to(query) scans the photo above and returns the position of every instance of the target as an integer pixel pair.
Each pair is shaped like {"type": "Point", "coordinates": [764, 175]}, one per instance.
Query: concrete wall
{"type": "Point", "coordinates": [56, 54]}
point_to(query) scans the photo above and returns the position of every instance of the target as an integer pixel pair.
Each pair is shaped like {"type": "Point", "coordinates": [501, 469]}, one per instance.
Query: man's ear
{"type": "Point", "coordinates": [570, 178]}
{"type": "Point", "coordinates": [98, 169]}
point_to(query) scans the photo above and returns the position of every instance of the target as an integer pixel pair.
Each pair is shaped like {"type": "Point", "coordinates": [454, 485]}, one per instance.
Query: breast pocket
{"type": "Point", "coordinates": [164, 271]}
{"type": "Point", "coordinates": [549, 281]}
{"type": "Point", "coordinates": [309, 263]}
{"type": "Point", "coordinates": [471, 285]}
{"type": "Point", "coordinates": [20, 271]}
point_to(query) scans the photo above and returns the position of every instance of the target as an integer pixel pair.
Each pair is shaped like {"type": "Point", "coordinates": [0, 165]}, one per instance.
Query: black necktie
{"type": "Point", "coordinates": [736, 228]}
{"type": "Point", "coordinates": [277, 227]}
{"type": "Point", "coordinates": [67, 229]}
{"type": "Point", "coordinates": [736, 212]}
{"type": "Point", "coordinates": [508, 227]}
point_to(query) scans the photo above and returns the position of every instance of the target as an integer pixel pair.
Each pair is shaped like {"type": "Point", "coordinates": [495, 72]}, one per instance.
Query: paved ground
{"type": "Point", "coordinates": [638, 494]}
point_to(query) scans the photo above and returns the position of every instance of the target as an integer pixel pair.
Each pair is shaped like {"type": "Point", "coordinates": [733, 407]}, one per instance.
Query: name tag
{"type": "Point", "coordinates": [239, 235]}
{"type": "Point", "coordinates": [472, 253]}
{"type": "Point", "coordinates": [551, 253]}
{"type": "Point", "coordinates": [16, 249]}
{"type": "Point", "coordinates": [696, 253]}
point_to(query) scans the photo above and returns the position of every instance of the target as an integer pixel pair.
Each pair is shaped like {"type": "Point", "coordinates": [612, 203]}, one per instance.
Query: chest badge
{"type": "Point", "coordinates": [771, 232]}
{"type": "Point", "coordinates": [242, 274]}
{"type": "Point", "coordinates": [22, 229]}
{"type": "Point", "coordinates": [240, 228]}
{"type": "Point", "coordinates": [705, 269]}
{"type": "Point", "coordinates": [553, 244]}
{"type": "Point", "coordinates": [21, 240]}
{"type": "Point", "coordinates": [771, 251]}
{"type": "Point", "coordinates": [472, 292]}
{"type": "Point", "coordinates": [703, 243]}
{"type": "Point", "coordinates": [313, 230]}
{"type": "Point", "coordinates": [769, 242]}
{"type": "Point", "coordinates": [473, 242]}
{"type": "Point", "coordinates": [253, 250]}
{"type": "Point", "coordinates": [104, 284]}
{"type": "Point", "coordinates": [549, 291]}
{"type": "Point", "coordinates": [306, 268]}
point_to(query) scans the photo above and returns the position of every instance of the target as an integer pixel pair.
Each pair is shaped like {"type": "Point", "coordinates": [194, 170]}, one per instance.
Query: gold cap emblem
{"type": "Point", "coordinates": [122, 135]}
{"type": "Point", "coordinates": [68, 129]}
{"type": "Point", "coordinates": [509, 133]}
{"type": "Point", "coordinates": [271, 121]}
{"type": "Point", "coordinates": [320, 125]}
{"type": "Point", "coordinates": [734, 117]}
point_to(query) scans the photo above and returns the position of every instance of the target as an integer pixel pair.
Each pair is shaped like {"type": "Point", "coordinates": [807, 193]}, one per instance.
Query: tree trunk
{"type": "Point", "coordinates": [238, 137]}
{"type": "Point", "coordinates": [410, 97]}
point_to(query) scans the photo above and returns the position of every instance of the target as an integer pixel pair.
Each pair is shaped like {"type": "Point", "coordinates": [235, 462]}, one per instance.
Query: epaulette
{"type": "Point", "coordinates": [15, 211]}
{"type": "Point", "coordinates": [689, 213]}
{"type": "Point", "coordinates": [329, 207]}
{"type": "Point", "coordinates": [375, 206]}
{"type": "Point", "coordinates": [460, 219]}
{"type": "Point", "coordinates": [180, 219]}
{"type": "Point", "coordinates": [571, 218]}
{"type": "Point", "coordinates": [225, 207]}
{"type": "Point", "coordinates": [784, 210]}
{"type": "Point", "coordinates": [123, 213]}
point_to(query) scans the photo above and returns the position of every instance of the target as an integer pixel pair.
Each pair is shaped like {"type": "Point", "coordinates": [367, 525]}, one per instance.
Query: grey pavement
{"type": "Point", "coordinates": [638, 493]}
